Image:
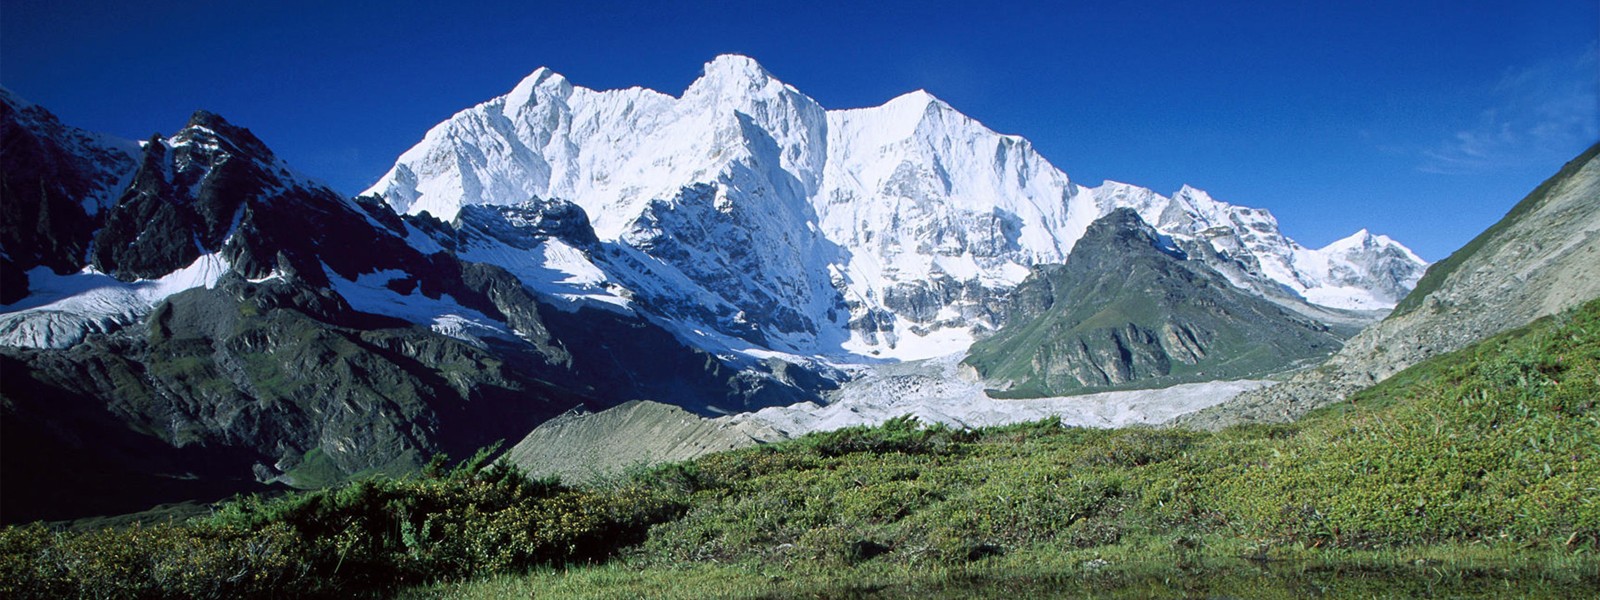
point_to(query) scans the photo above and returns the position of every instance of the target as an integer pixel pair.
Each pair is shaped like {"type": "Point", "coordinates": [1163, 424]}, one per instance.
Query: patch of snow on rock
{"type": "Point", "coordinates": [63, 309]}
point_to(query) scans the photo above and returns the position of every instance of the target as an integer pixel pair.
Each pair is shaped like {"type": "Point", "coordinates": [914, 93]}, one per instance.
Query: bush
{"type": "Point", "coordinates": [366, 538]}
{"type": "Point", "coordinates": [902, 434]}
{"type": "Point", "coordinates": [148, 562]}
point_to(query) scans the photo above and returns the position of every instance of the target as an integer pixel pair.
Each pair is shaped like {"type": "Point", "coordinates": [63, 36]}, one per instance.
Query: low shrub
{"type": "Point", "coordinates": [366, 538]}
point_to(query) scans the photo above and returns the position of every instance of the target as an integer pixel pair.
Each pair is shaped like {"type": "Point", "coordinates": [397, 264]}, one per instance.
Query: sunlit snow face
{"type": "Point", "coordinates": [829, 211]}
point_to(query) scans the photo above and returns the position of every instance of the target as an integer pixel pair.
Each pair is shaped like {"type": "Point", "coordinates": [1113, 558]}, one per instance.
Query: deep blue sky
{"type": "Point", "coordinates": [1425, 121]}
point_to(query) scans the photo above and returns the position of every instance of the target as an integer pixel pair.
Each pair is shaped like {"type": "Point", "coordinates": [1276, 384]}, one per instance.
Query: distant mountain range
{"type": "Point", "coordinates": [750, 219]}
{"type": "Point", "coordinates": [187, 315]}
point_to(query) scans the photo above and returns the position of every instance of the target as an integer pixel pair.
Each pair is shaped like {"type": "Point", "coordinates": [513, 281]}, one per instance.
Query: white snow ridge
{"type": "Point", "coordinates": [62, 309]}
{"type": "Point", "coordinates": [882, 232]}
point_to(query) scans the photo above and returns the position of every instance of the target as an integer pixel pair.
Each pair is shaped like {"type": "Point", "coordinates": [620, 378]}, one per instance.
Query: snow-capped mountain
{"type": "Point", "coordinates": [191, 300]}
{"type": "Point", "coordinates": [1360, 272]}
{"type": "Point", "coordinates": [196, 311]}
{"type": "Point", "coordinates": [742, 210]}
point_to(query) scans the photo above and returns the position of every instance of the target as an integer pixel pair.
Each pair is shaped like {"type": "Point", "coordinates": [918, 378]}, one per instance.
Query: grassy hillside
{"type": "Point", "coordinates": [1474, 474]}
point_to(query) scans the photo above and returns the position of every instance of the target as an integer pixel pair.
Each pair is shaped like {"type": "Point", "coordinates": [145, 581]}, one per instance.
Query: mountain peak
{"type": "Point", "coordinates": [12, 100]}
{"type": "Point", "coordinates": [735, 63]}
{"type": "Point", "coordinates": [1367, 239]}
{"type": "Point", "coordinates": [1355, 240]}
{"type": "Point", "coordinates": [731, 75]}
{"type": "Point", "coordinates": [752, 197]}
{"type": "Point", "coordinates": [1117, 187]}
{"type": "Point", "coordinates": [921, 113]}
{"type": "Point", "coordinates": [1130, 309]}
{"type": "Point", "coordinates": [541, 79]}
{"type": "Point", "coordinates": [207, 119]}
{"type": "Point", "coordinates": [1122, 223]}
{"type": "Point", "coordinates": [1189, 191]}
{"type": "Point", "coordinates": [919, 97]}
{"type": "Point", "coordinates": [1121, 217]}
{"type": "Point", "coordinates": [211, 129]}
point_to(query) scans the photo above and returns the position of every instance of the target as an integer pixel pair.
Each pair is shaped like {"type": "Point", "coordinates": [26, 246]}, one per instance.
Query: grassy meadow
{"type": "Point", "coordinates": [1476, 474]}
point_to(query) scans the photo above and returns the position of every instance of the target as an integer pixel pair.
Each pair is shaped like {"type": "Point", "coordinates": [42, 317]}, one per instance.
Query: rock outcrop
{"type": "Point", "coordinates": [1541, 258]}
{"type": "Point", "coordinates": [585, 447]}
{"type": "Point", "coordinates": [1130, 309]}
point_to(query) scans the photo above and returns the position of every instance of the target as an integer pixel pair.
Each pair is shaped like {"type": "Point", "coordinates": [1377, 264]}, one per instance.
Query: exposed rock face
{"type": "Point", "coordinates": [252, 368]}
{"type": "Point", "coordinates": [1542, 258]}
{"type": "Point", "coordinates": [56, 181]}
{"type": "Point", "coordinates": [755, 258]}
{"type": "Point", "coordinates": [526, 226]}
{"type": "Point", "coordinates": [221, 318]}
{"type": "Point", "coordinates": [1131, 309]}
{"type": "Point", "coordinates": [186, 195]}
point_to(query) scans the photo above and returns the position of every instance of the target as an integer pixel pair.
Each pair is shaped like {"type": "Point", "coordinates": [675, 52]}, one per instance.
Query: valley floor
{"type": "Point", "coordinates": [1470, 475]}
{"type": "Point", "coordinates": [937, 391]}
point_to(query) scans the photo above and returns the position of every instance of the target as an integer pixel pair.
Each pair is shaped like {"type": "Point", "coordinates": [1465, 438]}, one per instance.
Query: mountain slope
{"type": "Point", "coordinates": [199, 375]}
{"type": "Point", "coordinates": [1541, 258]}
{"type": "Point", "coordinates": [1130, 309]}
{"type": "Point", "coordinates": [719, 251]}
{"type": "Point", "coordinates": [586, 447]}
{"type": "Point", "coordinates": [757, 218]}
{"type": "Point", "coordinates": [234, 323]}
{"type": "Point", "coordinates": [1485, 456]}
{"type": "Point", "coordinates": [58, 181]}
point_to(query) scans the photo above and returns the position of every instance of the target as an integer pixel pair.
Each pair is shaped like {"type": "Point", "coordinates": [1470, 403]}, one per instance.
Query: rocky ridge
{"type": "Point", "coordinates": [75, 177]}
{"type": "Point", "coordinates": [1541, 258]}
{"type": "Point", "coordinates": [1129, 309]}
{"type": "Point", "coordinates": [174, 292]}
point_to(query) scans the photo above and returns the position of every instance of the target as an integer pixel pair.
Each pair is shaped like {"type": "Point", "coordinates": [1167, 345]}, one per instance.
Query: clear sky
{"type": "Point", "coordinates": [1421, 120]}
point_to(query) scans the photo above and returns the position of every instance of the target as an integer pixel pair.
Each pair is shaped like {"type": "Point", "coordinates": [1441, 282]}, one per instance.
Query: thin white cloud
{"type": "Point", "coordinates": [1536, 114]}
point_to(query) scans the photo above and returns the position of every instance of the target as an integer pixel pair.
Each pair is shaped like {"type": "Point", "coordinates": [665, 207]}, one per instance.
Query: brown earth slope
{"type": "Point", "coordinates": [1542, 258]}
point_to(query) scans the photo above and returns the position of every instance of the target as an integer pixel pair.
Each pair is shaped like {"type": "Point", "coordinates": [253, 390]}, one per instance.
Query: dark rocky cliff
{"type": "Point", "coordinates": [270, 373]}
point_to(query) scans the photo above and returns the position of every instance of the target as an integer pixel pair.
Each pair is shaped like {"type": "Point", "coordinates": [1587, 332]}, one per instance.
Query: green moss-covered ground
{"type": "Point", "coordinates": [1476, 475]}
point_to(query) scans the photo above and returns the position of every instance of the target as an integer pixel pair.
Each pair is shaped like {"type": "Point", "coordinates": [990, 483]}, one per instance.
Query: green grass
{"type": "Point", "coordinates": [1080, 574]}
{"type": "Point", "coordinates": [315, 470]}
{"type": "Point", "coordinates": [1475, 474]}
{"type": "Point", "coordinates": [1483, 465]}
{"type": "Point", "coordinates": [362, 540]}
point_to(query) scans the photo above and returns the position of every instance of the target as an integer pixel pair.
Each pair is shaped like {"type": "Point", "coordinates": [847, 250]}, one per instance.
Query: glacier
{"type": "Point", "coordinates": [64, 309]}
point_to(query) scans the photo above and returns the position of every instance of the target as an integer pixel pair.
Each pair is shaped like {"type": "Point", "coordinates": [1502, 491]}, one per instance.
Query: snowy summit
{"type": "Point", "coordinates": [753, 218]}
